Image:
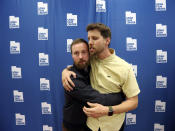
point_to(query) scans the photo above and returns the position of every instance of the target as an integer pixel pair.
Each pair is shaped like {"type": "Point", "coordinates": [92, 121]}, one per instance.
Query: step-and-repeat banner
{"type": "Point", "coordinates": [35, 38]}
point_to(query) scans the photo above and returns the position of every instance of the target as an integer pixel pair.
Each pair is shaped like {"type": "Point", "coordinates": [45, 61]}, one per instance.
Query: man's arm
{"type": "Point", "coordinates": [98, 110]}
{"type": "Point", "coordinates": [131, 90]}
{"type": "Point", "coordinates": [85, 93]}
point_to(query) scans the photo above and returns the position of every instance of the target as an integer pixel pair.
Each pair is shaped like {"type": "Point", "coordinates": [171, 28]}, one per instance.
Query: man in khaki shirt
{"type": "Point", "coordinates": [109, 73]}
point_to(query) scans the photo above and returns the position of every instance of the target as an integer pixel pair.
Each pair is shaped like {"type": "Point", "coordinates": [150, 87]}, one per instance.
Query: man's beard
{"type": "Point", "coordinates": [81, 65]}
{"type": "Point", "coordinates": [96, 52]}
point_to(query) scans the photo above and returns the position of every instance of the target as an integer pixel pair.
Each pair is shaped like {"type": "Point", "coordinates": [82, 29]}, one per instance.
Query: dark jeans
{"type": "Point", "coordinates": [122, 128]}
{"type": "Point", "coordinates": [80, 128]}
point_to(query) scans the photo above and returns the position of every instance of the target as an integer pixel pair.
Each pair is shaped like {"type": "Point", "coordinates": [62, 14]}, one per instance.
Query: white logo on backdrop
{"type": "Point", "coordinates": [130, 17]}
{"type": "Point", "coordinates": [44, 84]}
{"type": "Point", "coordinates": [42, 33]}
{"type": "Point", "coordinates": [43, 59]}
{"type": "Point", "coordinates": [160, 106]}
{"type": "Point", "coordinates": [69, 42]}
{"type": "Point", "coordinates": [14, 47]}
{"type": "Point", "coordinates": [71, 19]}
{"type": "Point", "coordinates": [20, 119]}
{"type": "Point", "coordinates": [47, 128]}
{"type": "Point", "coordinates": [13, 22]}
{"type": "Point", "coordinates": [161, 30]}
{"type": "Point", "coordinates": [46, 108]}
{"type": "Point", "coordinates": [134, 67]}
{"type": "Point", "coordinates": [161, 56]}
{"type": "Point", "coordinates": [100, 6]}
{"type": "Point", "coordinates": [131, 44]}
{"type": "Point", "coordinates": [130, 118]}
{"type": "Point", "coordinates": [158, 127]}
{"type": "Point", "coordinates": [16, 72]}
{"type": "Point", "coordinates": [18, 96]}
{"type": "Point", "coordinates": [161, 82]}
{"type": "Point", "coordinates": [42, 8]}
{"type": "Point", "coordinates": [160, 5]}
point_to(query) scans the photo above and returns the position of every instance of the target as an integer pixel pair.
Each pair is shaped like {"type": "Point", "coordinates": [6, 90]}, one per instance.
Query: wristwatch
{"type": "Point", "coordinates": [110, 112]}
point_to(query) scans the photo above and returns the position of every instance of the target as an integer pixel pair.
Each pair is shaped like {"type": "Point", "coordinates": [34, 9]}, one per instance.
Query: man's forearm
{"type": "Point", "coordinates": [97, 110]}
{"type": "Point", "coordinates": [84, 92]}
{"type": "Point", "coordinates": [128, 105]}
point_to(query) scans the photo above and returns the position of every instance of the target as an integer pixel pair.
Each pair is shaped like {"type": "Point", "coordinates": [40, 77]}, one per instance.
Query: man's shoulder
{"type": "Point", "coordinates": [74, 69]}
{"type": "Point", "coordinates": [120, 61]}
{"type": "Point", "coordinates": [80, 74]}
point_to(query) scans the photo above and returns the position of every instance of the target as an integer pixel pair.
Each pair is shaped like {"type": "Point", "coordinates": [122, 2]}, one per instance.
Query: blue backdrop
{"type": "Point", "coordinates": [34, 48]}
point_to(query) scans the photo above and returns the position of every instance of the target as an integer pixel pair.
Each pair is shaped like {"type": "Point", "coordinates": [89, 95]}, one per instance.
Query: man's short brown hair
{"type": "Point", "coordinates": [103, 29]}
{"type": "Point", "coordinates": [79, 40]}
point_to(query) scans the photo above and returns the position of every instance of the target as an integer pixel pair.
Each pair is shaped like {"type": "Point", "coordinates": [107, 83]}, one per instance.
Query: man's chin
{"type": "Point", "coordinates": [81, 66]}
{"type": "Point", "coordinates": [92, 53]}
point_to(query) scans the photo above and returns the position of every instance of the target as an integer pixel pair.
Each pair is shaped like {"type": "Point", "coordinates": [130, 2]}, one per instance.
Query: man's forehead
{"type": "Point", "coordinates": [79, 47]}
{"type": "Point", "coordinates": [79, 44]}
{"type": "Point", "coordinates": [93, 32]}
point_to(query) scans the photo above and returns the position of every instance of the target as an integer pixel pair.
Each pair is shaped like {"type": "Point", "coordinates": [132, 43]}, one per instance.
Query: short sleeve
{"type": "Point", "coordinates": [130, 87]}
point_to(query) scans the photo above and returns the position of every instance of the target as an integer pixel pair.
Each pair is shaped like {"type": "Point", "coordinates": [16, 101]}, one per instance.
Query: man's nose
{"type": "Point", "coordinates": [90, 42]}
{"type": "Point", "coordinates": [80, 55]}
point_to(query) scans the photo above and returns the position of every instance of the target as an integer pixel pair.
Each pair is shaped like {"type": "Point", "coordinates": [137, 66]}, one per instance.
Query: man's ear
{"type": "Point", "coordinates": [108, 40]}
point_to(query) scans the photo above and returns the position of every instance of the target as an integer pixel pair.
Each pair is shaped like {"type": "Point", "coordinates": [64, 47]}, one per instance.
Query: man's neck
{"type": "Point", "coordinates": [104, 54]}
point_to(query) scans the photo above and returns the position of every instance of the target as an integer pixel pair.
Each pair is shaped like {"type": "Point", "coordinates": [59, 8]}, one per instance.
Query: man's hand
{"type": "Point", "coordinates": [66, 81]}
{"type": "Point", "coordinates": [95, 110]}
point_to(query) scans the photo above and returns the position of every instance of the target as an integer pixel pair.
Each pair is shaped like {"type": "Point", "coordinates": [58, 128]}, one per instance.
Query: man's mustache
{"type": "Point", "coordinates": [81, 61]}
